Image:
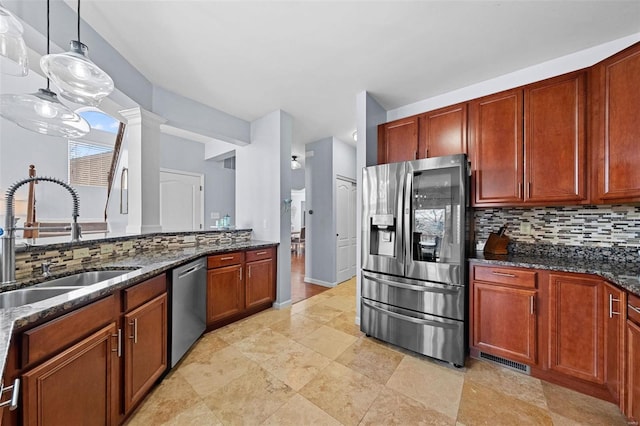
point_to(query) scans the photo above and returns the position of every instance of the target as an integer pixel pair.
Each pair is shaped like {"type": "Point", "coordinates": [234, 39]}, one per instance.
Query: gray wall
{"type": "Point", "coordinates": [297, 178]}
{"type": "Point", "coordinates": [331, 158]}
{"type": "Point", "coordinates": [219, 183]}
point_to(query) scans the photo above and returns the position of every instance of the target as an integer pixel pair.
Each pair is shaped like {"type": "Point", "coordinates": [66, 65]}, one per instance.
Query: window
{"type": "Point", "coordinates": [89, 163]}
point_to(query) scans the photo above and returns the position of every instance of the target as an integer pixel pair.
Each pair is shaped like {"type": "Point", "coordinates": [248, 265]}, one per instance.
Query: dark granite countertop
{"type": "Point", "coordinates": [623, 274]}
{"type": "Point", "coordinates": [144, 265]}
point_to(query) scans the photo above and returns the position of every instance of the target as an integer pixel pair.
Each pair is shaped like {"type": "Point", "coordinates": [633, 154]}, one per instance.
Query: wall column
{"type": "Point", "coordinates": [143, 135]}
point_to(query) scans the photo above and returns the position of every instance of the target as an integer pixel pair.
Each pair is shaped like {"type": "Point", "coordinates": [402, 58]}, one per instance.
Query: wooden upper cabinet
{"type": "Point", "coordinates": [554, 141]}
{"type": "Point", "coordinates": [497, 156]}
{"type": "Point", "coordinates": [443, 132]}
{"type": "Point", "coordinates": [398, 140]}
{"type": "Point", "coordinates": [616, 130]}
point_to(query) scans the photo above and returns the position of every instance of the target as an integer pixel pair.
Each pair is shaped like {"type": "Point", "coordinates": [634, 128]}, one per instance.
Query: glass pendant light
{"type": "Point", "coordinates": [295, 164]}
{"type": "Point", "coordinates": [79, 79]}
{"type": "Point", "coordinates": [13, 50]}
{"type": "Point", "coordinates": [42, 112]}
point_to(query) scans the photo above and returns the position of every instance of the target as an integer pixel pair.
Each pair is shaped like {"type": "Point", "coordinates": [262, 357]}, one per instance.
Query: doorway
{"type": "Point", "coordinates": [181, 201]}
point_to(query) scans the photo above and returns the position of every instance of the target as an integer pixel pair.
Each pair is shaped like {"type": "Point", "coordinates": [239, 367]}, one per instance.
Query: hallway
{"type": "Point", "coordinates": [299, 289]}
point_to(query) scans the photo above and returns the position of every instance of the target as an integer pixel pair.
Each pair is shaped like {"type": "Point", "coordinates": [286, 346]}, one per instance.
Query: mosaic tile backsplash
{"type": "Point", "coordinates": [610, 231]}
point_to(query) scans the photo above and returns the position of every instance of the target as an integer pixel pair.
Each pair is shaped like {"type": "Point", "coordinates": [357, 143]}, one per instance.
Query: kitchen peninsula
{"type": "Point", "coordinates": [73, 331]}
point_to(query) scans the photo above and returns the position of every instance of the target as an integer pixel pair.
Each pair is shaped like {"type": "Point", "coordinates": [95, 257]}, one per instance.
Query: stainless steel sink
{"type": "Point", "coordinates": [25, 296]}
{"type": "Point", "coordinates": [82, 279]}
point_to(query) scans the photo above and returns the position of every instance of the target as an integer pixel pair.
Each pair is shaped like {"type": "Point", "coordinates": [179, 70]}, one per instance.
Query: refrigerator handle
{"type": "Point", "coordinates": [406, 226]}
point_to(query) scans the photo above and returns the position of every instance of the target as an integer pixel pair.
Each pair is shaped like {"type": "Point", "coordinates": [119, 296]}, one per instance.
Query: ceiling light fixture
{"type": "Point", "coordinates": [295, 164]}
{"type": "Point", "coordinates": [42, 112]}
{"type": "Point", "coordinates": [13, 50]}
{"type": "Point", "coordinates": [79, 79]}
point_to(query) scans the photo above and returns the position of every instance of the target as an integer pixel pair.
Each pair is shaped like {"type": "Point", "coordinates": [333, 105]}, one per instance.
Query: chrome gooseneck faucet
{"type": "Point", "coordinates": [8, 246]}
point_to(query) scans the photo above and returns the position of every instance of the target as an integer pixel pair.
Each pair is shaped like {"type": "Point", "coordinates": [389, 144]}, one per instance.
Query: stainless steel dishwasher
{"type": "Point", "coordinates": [188, 307]}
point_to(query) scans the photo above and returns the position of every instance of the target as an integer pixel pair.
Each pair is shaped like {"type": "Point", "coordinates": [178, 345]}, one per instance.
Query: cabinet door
{"type": "Point", "coordinates": [145, 348]}
{"type": "Point", "coordinates": [616, 129]}
{"type": "Point", "coordinates": [633, 372]}
{"type": "Point", "coordinates": [443, 132]}
{"type": "Point", "coordinates": [398, 141]}
{"type": "Point", "coordinates": [576, 323]}
{"type": "Point", "coordinates": [504, 321]}
{"type": "Point", "coordinates": [260, 287]}
{"type": "Point", "coordinates": [77, 387]}
{"type": "Point", "coordinates": [497, 156]}
{"type": "Point", "coordinates": [225, 292]}
{"type": "Point", "coordinates": [555, 143]}
{"type": "Point", "coordinates": [615, 302]}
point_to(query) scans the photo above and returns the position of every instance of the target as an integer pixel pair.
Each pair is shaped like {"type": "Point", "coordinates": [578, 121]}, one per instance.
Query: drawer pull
{"type": "Point", "coordinates": [260, 253]}
{"type": "Point", "coordinates": [13, 402]}
{"type": "Point", "coordinates": [134, 323]}
{"type": "Point", "coordinates": [119, 348]}
{"type": "Point", "coordinates": [532, 299]}
{"type": "Point", "coordinates": [611, 300]}
{"type": "Point", "coordinates": [502, 274]}
{"type": "Point", "coordinates": [633, 308]}
{"type": "Point", "coordinates": [227, 258]}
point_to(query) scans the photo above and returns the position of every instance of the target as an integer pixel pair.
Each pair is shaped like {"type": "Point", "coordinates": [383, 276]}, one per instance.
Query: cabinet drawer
{"type": "Point", "coordinates": [48, 339]}
{"type": "Point", "coordinates": [225, 259]}
{"type": "Point", "coordinates": [265, 253]}
{"type": "Point", "coordinates": [143, 292]}
{"type": "Point", "coordinates": [633, 308]}
{"type": "Point", "coordinates": [510, 276]}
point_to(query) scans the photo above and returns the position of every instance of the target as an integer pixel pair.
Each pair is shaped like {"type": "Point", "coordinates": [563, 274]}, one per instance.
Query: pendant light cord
{"type": "Point", "coordinates": [48, 35]}
{"type": "Point", "coordinates": [78, 21]}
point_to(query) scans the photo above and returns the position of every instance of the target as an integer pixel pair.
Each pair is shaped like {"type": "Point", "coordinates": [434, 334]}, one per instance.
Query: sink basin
{"type": "Point", "coordinates": [25, 296]}
{"type": "Point", "coordinates": [82, 279]}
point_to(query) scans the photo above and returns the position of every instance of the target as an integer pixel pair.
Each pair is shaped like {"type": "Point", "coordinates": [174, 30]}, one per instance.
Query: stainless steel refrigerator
{"type": "Point", "coordinates": [414, 242]}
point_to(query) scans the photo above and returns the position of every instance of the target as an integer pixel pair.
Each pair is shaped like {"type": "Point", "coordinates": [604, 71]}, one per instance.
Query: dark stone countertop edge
{"type": "Point", "coordinates": [148, 264]}
{"type": "Point", "coordinates": [626, 276]}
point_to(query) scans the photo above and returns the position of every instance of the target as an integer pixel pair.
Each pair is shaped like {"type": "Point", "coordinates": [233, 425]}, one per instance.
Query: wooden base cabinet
{"type": "Point", "coordinates": [77, 387]}
{"type": "Point", "coordinates": [240, 284]}
{"type": "Point", "coordinates": [632, 406]}
{"type": "Point", "coordinates": [499, 294]}
{"type": "Point", "coordinates": [145, 348]}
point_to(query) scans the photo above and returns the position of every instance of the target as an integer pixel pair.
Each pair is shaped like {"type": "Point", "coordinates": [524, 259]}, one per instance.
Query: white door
{"type": "Point", "coordinates": [181, 201]}
{"type": "Point", "coordinates": [345, 229]}
{"type": "Point", "coordinates": [353, 235]}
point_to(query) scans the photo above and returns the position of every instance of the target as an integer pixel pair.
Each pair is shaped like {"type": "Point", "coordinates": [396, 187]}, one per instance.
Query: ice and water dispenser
{"type": "Point", "coordinates": [382, 229]}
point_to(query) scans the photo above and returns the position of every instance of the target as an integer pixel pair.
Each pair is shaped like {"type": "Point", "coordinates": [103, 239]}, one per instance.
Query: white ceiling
{"type": "Point", "coordinates": [311, 58]}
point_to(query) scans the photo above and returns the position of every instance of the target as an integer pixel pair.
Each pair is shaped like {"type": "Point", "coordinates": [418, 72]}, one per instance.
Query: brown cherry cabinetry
{"type": "Point", "coordinates": [615, 92]}
{"type": "Point", "coordinates": [145, 338]}
{"type": "Point", "coordinates": [529, 144]}
{"type": "Point", "coordinates": [239, 284]}
{"type": "Point", "coordinates": [432, 134]}
{"type": "Point", "coordinates": [500, 293]}
{"type": "Point", "coordinates": [632, 408]}
{"type": "Point", "coordinates": [569, 328]}
{"type": "Point", "coordinates": [71, 367]}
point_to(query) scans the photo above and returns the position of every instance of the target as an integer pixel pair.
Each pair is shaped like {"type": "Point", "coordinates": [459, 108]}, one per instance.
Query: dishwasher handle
{"type": "Point", "coordinates": [190, 271]}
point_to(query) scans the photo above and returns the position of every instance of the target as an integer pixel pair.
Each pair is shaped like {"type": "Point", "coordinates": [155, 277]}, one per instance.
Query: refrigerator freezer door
{"type": "Point", "coordinates": [382, 243]}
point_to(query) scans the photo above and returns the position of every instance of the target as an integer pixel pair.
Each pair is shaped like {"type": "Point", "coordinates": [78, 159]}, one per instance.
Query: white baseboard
{"type": "Point", "coordinates": [282, 305]}
{"type": "Point", "coordinates": [357, 321]}
{"type": "Point", "coordinates": [319, 282]}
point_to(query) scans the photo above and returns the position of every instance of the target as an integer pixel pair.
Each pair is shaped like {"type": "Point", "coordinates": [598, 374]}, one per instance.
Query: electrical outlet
{"type": "Point", "coordinates": [525, 228]}
{"type": "Point", "coordinates": [127, 245]}
{"type": "Point", "coordinates": [80, 253]}
{"type": "Point", "coordinates": [189, 238]}
{"type": "Point", "coordinates": [106, 249]}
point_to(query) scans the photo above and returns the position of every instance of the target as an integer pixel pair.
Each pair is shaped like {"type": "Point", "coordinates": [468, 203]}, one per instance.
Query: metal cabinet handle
{"type": "Point", "coordinates": [611, 300]}
{"type": "Point", "coordinates": [227, 258]}
{"type": "Point", "coordinates": [134, 323]}
{"type": "Point", "coordinates": [240, 273]}
{"type": "Point", "coordinates": [249, 272]}
{"type": "Point", "coordinates": [13, 402]}
{"type": "Point", "coordinates": [119, 346]}
{"type": "Point", "coordinates": [635, 309]}
{"type": "Point", "coordinates": [502, 274]}
{"type": "Point", "coordinates": [260, 253]}
{"type": "Point", "coordinates": [532, 301]}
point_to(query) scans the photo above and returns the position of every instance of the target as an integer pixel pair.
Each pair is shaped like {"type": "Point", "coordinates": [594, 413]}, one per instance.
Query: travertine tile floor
{"type": "Point", "coordinates": [310, 364]}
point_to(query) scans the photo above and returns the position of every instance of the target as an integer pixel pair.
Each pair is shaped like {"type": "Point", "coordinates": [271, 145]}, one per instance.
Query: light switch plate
{"type": "Point", "coordinates": [525, 228]}
{"type": "Point", "coordinates": [189, 238]}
